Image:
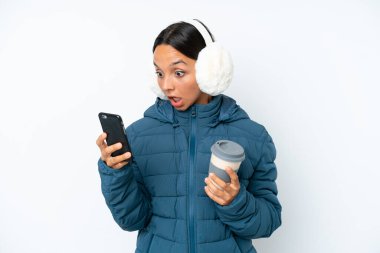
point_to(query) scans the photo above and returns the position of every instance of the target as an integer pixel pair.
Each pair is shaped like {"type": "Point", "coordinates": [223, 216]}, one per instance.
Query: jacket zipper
{"type": "Point", "coordinates": [192, 182]}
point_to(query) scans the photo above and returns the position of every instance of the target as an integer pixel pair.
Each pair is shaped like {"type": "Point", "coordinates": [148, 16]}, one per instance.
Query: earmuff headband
{"type": "Point", "coordinates": [203, 31]}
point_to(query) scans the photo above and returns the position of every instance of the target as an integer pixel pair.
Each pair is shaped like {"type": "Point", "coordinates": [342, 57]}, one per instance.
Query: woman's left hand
{"type": "Point", "coordinates": [221, 192]}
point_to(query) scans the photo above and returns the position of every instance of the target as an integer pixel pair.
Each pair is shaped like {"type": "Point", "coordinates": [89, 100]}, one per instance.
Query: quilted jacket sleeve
{"type": "Point", "coordinates": [256, 212]}
{"type": "Point", "coordinates": [126, 195]}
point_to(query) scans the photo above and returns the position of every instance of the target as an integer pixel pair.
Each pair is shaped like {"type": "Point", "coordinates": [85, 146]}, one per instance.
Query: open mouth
{"type": "Point", "coordinates": [176, 101]}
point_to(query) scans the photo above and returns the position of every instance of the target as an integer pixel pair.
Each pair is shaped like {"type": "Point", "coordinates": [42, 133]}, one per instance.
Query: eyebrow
{"type": "Point", "coordinates": [172, 64]}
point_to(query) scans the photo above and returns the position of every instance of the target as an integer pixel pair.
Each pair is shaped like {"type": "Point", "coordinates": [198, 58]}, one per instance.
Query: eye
{"type": "Point", "coordinates": [159, 74]}
{"type": "Point", "coordinates": [179, 73]}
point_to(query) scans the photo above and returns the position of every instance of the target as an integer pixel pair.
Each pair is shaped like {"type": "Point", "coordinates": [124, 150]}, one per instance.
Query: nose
{"type": "Point", "coordinates": [167, 84]}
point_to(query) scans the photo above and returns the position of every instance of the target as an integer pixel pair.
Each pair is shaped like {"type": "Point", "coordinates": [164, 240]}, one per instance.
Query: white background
{"type": "Point", "coordinates": [307, 70]}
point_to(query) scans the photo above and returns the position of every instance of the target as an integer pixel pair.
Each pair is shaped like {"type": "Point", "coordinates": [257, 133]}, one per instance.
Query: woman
{"type": "Point", "coordinates": [166, 192]}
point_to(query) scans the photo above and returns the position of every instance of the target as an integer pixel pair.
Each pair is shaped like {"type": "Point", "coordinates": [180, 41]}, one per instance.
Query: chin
{"type": "Point", "coordinates": [183, 108]}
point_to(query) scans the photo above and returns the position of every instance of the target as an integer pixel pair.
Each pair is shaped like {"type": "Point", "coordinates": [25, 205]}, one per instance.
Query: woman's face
{"type": "Point", "coordinates": [176, 78]}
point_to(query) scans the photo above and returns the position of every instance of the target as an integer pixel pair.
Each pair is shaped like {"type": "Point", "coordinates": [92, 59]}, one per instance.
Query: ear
{"type": "Point", "coordinates": [214, 69]}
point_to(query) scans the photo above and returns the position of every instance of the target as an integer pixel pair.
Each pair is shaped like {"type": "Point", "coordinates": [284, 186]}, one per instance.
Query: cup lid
{"type": "Point", "coordinates": [228, 150]}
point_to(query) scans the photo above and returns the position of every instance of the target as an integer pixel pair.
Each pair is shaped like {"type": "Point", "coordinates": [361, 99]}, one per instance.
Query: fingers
{"type": "Point", "coordinates": [218, 181]}
{"type": "Point", "coordinates": [119, 165]}
{"type": "Point", "coordinates": [233, 176]}
{"type": "Point", "coordinates": [106, 150]}
{"type": "Point", "coordinates": [118, 161]}
{"type": "Point", "coordinates": [100, 141]}
{"type": "Point", "coordinates": [221, 192]}
{"type": "Point", "coordinates": [110, 149]}
{"type": "Point", "coordinates": [212, 196]}
{"type": "Point", "coordinates": [217, 187]}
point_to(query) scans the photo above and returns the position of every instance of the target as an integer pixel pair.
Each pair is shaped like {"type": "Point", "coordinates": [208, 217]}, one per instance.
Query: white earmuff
{"type": "Point", "coordinates": [213, 68]}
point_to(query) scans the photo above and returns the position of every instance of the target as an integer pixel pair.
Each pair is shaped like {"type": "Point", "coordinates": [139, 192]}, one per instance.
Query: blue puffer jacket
{"type": "Point", "coordinates": [161, 192]}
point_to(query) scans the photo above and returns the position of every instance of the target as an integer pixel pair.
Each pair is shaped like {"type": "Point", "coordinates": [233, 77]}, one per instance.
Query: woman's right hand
{"type": "Point", "coordinates": [116, 162]}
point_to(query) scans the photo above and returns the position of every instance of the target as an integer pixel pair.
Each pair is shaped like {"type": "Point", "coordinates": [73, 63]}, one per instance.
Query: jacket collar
{"type": "Point", "coordinates": [220, 109]}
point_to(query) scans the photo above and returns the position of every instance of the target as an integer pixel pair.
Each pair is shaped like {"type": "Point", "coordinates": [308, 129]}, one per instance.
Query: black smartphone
{"type": "Point", "coordinates": [112, 124]}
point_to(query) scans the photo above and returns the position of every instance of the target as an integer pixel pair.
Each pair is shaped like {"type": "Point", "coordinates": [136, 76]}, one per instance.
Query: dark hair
{"type": "Point", "coordinates": [184, 37]}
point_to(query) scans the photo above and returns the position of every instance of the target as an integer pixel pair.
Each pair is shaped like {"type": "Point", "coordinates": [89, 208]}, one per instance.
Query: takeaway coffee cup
{"type": "Point", "coordinates": [225, 153]}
